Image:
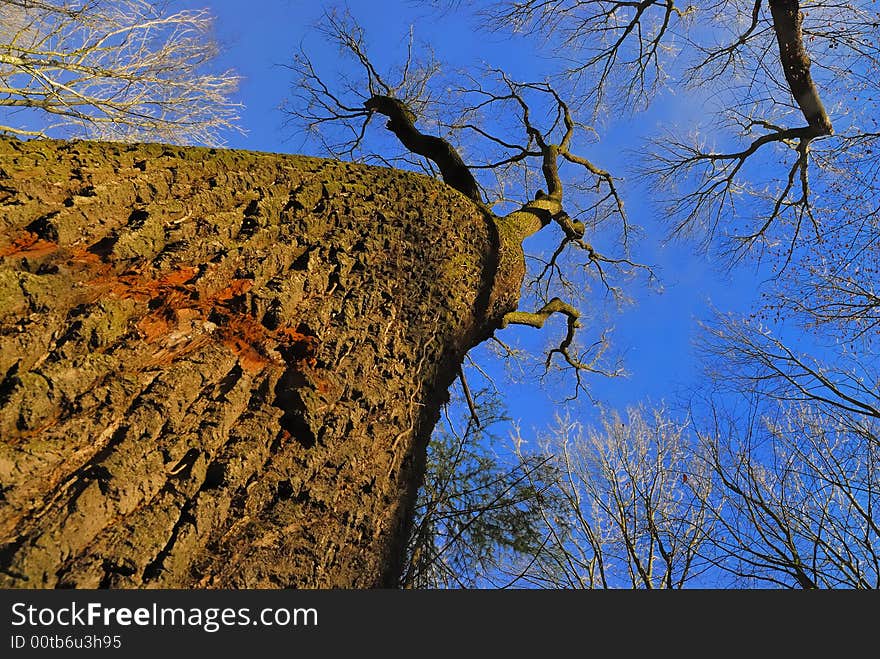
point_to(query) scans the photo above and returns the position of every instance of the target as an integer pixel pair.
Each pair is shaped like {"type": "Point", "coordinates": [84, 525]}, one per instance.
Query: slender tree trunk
{"type": "Point", "coordinates": [221, 368]}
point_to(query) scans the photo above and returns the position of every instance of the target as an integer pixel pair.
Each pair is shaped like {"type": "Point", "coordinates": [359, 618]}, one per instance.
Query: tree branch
{"type": "Point", "coordinates": [787, 22]}
{"type": "Point", "coordinates": [401, 122]}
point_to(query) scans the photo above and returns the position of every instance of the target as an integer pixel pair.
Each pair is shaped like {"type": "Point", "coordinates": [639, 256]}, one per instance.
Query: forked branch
{"type": "Point", "coordinates": [721, 175]}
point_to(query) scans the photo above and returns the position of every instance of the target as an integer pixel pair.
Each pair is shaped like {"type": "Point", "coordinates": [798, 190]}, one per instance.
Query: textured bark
{"type": "Point", "coordinates": [221, 368]}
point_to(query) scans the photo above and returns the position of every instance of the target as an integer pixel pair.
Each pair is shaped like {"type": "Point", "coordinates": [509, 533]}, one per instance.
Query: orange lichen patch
{"type": "Point", "coordinates": [290, 335]}
{"type": "Point", "coordinates": [29, 244]}
{"type": "Point", "coordinates": [153, 327]}
{"type": "Point", "coordinates": [181, 318]}
{"type": "Point", "coordinates": [87, 257]}
{"type": "Point", "coordinates": [248, 339]}
{"type": "Point", "coordinates": [177, 310]}
{"type": "Point", "coordinates": [136, 285]}
{"type": "Point", "coordinates": [257, 346]}
{"type": "Point", "coordinates": [249, 358]}
{"type": "Point", "coordinates": [177, 277]}
{"type": "Point", "coordinates": [237, 287]}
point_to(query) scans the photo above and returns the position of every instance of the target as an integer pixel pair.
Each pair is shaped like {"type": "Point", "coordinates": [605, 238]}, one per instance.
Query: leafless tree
{"type": "Point", "coordinates": [771, 482]}
{"type": "Point", "coordinates": [119, 70]}
{"type": "Point", "coordinates": [843, 301]}
{"type": "Point", "coordinates": [768, 157]}
{"type": "Point", "coordinates": [493, 139]}
{"type": "Point", "coordinates": [616, 49]}
{"type": "Point", "coordinates": [784, 165]}
{"type": "Point", "coordinates": [747, 358]}
{"type": "Point", "coordinates": [770, 171]}
{"type": "Point", "coordinates": [798, 496]}
{"type": "Point", "coordinates": [635, 509]}
{"type": "Point", "coordinates": [799, 463]}
{"type": "Point", "coordinates": [782, 497]}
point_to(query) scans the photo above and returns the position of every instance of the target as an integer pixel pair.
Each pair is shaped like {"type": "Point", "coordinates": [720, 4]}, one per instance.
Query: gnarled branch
{"type": "Point", "coordinates": [401, 122]}
{"type": "Point", "coordinates": [537, 319]}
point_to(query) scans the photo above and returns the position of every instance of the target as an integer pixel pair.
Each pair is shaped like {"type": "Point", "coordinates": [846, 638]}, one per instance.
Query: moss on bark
{"type": "Point", "coordinates": [221, 368]}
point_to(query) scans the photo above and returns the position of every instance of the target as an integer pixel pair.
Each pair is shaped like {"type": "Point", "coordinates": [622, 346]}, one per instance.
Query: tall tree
{"type": "Point", "coordinates": [281, 419]}
{"type": "Point", "coordinates": [220, 368]}
{"type": "Point", "coordinates": [511, 147]}
{"type": "Point", "coordinates": [777, 185]}
{"type": "Point", "coordinates": [769, 494]}
{"type": "Point", "coordinates": [794, 504]}
{"type": "Point", "coordinates": [789, 181]}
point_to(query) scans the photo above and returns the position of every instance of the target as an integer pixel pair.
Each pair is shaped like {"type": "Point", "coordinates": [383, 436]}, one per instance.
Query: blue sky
{"type": "Point", "coordinates": [654, 335]}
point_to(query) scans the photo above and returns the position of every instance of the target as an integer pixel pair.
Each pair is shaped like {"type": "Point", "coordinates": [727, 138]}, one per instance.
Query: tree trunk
{"type": "Point", "coordinates": [221, 368]}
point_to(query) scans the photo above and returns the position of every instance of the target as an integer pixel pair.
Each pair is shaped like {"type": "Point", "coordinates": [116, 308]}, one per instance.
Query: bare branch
{"type": "Point", "coordinates": [622, 44]}
{"type": "Point", "coordinates": [114, 70]}
{"type": "Point", "coordinates": [401, 122]}
{"type": "Point", "coordinates": [564, 349]}
{"type": "Point", "coordinates": [788, 23]}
